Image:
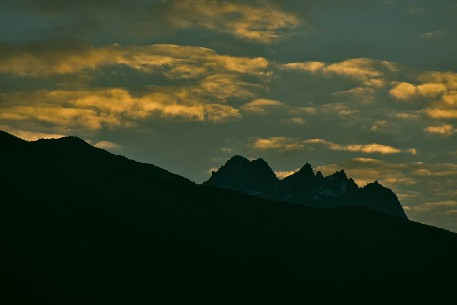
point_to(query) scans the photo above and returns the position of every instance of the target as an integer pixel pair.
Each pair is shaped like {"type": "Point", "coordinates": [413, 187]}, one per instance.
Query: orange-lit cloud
{"type": "Point", "coordinates": [449, 79]}
{"type": "Point", "coordinates": [441, 113]}
{"type": "Point", "coordinates": [310, 66]}
{"type": "Point", "coordinates": [404, 91]}
{"type": "Point", "coordinates": [284, 143]}
{"type": "Point", "coordinates": [364, 69]}
{"type": "Point", "coordinates": [283, 174]}
{"type": "Point", "coordinates": [260, 23]}
{"type": "Point", "coordinates": [445, 130]}
{"type": "Point", "coordinates": [94, 109]}
{"type": "Point", "coordinates": [261, 105]}
{"type": "Point", "coordinates": [30, 135]}
{"type": "Point", "coordinates": [281, 143]}
{"type": "Point", "coordinates": [107, 145]}
{"type": "Point", "coordinates": [407, 91]}
{"type": "Point", "coordinates": [174, 61]}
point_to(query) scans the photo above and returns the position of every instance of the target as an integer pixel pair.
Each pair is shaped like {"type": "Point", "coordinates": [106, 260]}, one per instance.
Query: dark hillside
{"type": "Point", "coordinates": [82, 226]}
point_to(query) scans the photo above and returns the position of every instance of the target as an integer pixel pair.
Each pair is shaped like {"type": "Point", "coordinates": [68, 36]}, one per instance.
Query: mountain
{"type": "Point", "coordinates": [80, 225]}
{"type": "Point", "coordinates": [304, 187]}
{"type": "Point", "coordinates": [251, 177]}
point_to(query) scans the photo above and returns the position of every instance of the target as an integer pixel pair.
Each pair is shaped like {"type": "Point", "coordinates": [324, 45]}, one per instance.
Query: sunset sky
{"type": "Point", "coordinates": [368, 86]}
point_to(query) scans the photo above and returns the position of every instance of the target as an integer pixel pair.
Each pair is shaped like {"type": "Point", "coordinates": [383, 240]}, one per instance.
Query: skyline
{"type": "Point", "coordinates": [370, 88]}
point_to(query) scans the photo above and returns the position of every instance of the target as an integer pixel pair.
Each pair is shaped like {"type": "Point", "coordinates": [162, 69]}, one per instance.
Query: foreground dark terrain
{"type": "Point", "coordinates": [82, 226]}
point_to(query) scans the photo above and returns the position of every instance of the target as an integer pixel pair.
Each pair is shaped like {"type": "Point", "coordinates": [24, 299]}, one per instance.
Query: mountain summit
{"type": "Point", "coordinates": [251, 177]}
{"type": "Point", "coordinates": [304, 187]}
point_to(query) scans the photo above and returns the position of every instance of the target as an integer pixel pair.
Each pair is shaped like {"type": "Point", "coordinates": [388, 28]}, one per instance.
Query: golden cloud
{"type": "Point", "coordinates": [262, 24]}
{"type": "Point", "coordinates": [404, 91]}
{"type": "Point", "coordinates": [174, 61]}
{"type": "Point", "coordinates": [431, 90]}
{"type": "Point", "coordinates": [440, 113]}
{"type": "Point", "coordinates": [310, 66]}
{"type": "Point", "coordinates": [286, 173]}
{"type": "Point", "coordinates": [448, 79]}
{"type": "Point", "coordinates": [359, 68]}
{"type": "Point", "coordinates": [29, 135]}
{"type": "Point", "coordinates": [284, 143]}
{"type": "Point", "coordinates": [95, 109]}
{"type": "Point", "coordinates": [370, 71]}
{"type": "Point", "coordinates": [60, 61]}
{"type": "Point", "coordinates": [107, 145]}
{"type": "Point", "coordinates": [260, 105]}
{"type": "Point", "coordinates": [445, 130]}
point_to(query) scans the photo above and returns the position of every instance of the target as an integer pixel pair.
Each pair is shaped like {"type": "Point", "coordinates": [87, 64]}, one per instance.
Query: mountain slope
{"type": "Point", "coordinates": [304, 187]}
{"type": "Point", "coordinates": [82, 226]}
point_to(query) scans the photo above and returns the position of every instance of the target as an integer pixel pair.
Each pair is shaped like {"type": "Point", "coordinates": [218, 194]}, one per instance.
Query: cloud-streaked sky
{"type": "Point", "coordinates": [368, 86]}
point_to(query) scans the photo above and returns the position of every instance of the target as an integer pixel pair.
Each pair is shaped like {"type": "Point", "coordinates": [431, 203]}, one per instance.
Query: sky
{"type": "Point", "coordinates": [365, 86]}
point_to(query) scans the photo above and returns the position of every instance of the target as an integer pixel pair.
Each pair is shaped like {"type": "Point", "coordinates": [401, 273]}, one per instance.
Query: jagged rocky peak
{"type": "Point", "coordinates": [338, 175]}
{"type": "Point", "coordinates": [253, 177]}
{"type": "Point", "coordinates": [306, 170]}
{"type": "Point", "coordinates": [304, 186]}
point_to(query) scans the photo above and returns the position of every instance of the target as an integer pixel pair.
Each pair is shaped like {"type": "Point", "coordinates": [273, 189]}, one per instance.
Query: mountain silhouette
{"type": "Point", "coordinates": [80, 225]}
{"type": "Point", "coordinates": [304, 187]}
{"type": "Point", "coordinates": [251, 177]}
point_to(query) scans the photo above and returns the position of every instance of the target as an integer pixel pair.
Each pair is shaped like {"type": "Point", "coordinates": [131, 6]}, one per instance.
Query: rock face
{"type": "Point", "coordinates": [304, 187]}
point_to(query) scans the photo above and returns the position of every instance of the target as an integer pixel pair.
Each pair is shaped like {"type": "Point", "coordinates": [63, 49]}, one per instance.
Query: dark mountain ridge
{"type": "Point", "coordinates": [304, 187]}
{"type": "Point", "coordinates": [80, 225]}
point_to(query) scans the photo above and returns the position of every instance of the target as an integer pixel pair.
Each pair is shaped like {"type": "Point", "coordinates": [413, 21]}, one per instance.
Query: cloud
{"type": "Point", "coordinates": [281, 143]}
{"type": "Point", "coordinates": [201, 83]}
{"type": "Point", "coordinates": [448, 79]}
{"type": "Point", "coordinates": [284, 143]}
{"type": "Point", "coordinates": [407, 115]}
{"type": "Point", "coordinates": [407, 91]}
{"type": "Point", "coordinates": [261, 105]}
{"type": "Point", "coordinates": [362, 69]}
{"type": "Point", "coordinates": [365, 94]}
{"type": "Point", "coordinates": [441, 113]}
{"type": "Point", "coordinates": [259, 21]}
{"type": "Point", "coordinates": [379, 125]}
{"type": "Point", "coordinates": [107, 145]}
{"type": "Point", "coordinates": [339, 109]}
{"type": "Point", "coordinates": [428, 206]}
{"type": "Point", "coordinates": [358, 68]}
{"type": "Point", "coordinates": [30, 135]}
{"type": "Point", "coordinates": [284, 174]}
{"type": "Point", "coordinates": [431, 90]}
{"type": "Point", "coordinates": [404, 91]}
{"type": "Point", "coordinates": [445, 130]}
{"type": "Point", "coordinates": [310, 66]}
{"type": "Point", "coordinates": [262, 23]}
{"type": "Point", "coordinates": [94, 109]}
{"type": "Point", "coordinates": [174, 61]}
